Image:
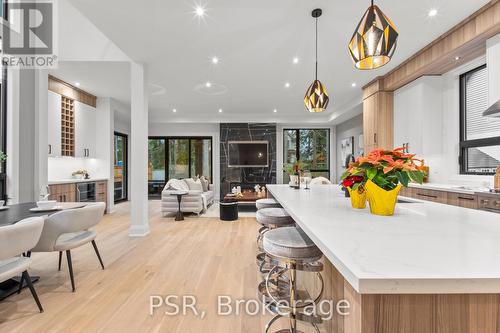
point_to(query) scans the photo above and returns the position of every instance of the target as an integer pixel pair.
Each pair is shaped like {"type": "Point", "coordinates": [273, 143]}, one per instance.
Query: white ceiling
{"type": "Point", "coordinates": [102, 79]}
{"type": "Point", "coordinates": [255, 42]}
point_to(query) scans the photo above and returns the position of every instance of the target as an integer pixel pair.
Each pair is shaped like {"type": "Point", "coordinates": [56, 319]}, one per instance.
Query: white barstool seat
{"type": "Point", "coordinates": [290, 250]}
{"type": "Point", "coordinates": [267, 203]}
{"type": "Point", "coordinates": [274, 216]}
{"type": "Point", "coordinates": [290, 243]}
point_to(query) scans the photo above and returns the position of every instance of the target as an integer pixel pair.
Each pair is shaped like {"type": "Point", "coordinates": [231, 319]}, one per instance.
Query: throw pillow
{"type": "Point", "coordinates": [194, 185]}
{"type": "Point", "coordinates": [177, 185]}
{"type": "Point", "coordinates": [204, 183]}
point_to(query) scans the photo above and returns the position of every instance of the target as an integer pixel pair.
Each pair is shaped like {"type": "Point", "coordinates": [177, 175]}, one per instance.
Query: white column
{"type": "Point", "coordinates": [139, 152]}
{"type": "Point", "coordinates": [41, 131]}
{"type": "Point", "coordinates": [104, 149]}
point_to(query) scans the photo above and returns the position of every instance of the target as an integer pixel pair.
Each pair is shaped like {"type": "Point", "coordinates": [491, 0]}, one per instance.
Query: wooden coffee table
{"type": "Point", "coordinates": [247, 197]}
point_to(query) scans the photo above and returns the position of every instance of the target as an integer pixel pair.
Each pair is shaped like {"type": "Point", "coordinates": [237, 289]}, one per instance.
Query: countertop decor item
{"type": "Point", "coordinates": [374, 40]}
{"type": "Point", "coordinates": [292, 169]}
{"type": "Point", "coordinates": [316, 98]}
{"type": "Point", "coordinates": [80, 174]}
{"type": "Point", "coordinates": [383, 172]}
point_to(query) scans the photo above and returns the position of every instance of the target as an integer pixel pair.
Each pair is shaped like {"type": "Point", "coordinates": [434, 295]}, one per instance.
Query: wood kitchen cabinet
{"type": "Point", "coordinates": [377, 118]}
{"type": "Point", "coordinates": [63, 192]}
{"type": "Point", "coordinates": [462, 200]}
{"type": "Point", "coordinates": [101, 191]}
{"type": "Point", "coordinates": [430, 195]}
{"type": "Point", "coordinates": [71, 120]}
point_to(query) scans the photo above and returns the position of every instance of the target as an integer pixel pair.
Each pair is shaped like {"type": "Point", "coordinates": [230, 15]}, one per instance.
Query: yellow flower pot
{"type": "Point", "coordinates": [382, 202]}
{"type": "Point", "coordinates": [358, 198]}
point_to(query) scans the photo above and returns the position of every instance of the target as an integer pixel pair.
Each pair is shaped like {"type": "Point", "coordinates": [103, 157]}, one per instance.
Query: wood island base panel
{"type": "Point", "coordinates": [406, 313]}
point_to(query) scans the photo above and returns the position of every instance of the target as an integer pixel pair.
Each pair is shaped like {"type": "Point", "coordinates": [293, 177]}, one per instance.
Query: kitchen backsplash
{"type": "Point", "coordinates": [61, 168]}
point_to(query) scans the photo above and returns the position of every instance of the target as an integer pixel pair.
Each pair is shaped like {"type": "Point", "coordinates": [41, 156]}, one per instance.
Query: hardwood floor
{"type": "Point", "coordinates": [203, 257]}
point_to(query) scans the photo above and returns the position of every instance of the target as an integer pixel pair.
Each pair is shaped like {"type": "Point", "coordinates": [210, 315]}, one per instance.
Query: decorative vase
{"type": "Point", "coordinates": [358, 198]}
{"type": "Point", "coordinates": [382, 202]}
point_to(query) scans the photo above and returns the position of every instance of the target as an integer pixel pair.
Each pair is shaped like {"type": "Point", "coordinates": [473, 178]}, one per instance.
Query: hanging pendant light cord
{"type": "Point", "coordinates": [316, 48]}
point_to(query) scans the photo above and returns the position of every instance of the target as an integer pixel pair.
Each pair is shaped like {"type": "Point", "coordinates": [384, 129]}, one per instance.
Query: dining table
{"type": "Point", "coordinates": [18, 212]}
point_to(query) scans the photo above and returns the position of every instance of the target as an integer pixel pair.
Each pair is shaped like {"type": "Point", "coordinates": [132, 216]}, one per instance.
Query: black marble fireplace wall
{"type": "Point", "coordinates": [247, 177]}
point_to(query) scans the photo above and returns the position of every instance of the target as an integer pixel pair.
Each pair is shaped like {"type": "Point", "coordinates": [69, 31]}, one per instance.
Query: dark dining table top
{"type": "Point", "coordinates": [19, 212]}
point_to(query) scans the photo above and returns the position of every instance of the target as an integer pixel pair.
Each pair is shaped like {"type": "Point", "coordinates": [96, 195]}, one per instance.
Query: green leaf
{"type": "Point", "coordinates": [403, 178]}
{"type": "Point", "coordinates": [345, 175]}
{"type": "Point", "coordinates": [416, 176]}
{"type": "Point", "coordinates": [371, 173]}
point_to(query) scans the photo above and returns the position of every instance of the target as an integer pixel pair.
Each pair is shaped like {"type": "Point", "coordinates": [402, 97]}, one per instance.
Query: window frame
{"type": "Point", "coordinates": [297, 145]}
{"type": "Point", "coordinates": [125, 137]}
{"type": "Point", "coordinates": [189, 138]}
{"type": "Point", "coordinates": [464, 144]}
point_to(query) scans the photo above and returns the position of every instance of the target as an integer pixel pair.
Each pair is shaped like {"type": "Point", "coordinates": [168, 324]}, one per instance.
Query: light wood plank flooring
{"type": "Point", "coordinates": [200, 256]}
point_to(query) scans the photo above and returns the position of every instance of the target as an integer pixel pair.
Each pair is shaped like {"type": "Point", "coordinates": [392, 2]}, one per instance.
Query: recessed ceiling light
{"type": "Point", "coordinates": [215, 60]}
{"type": "Point", "coordinates": [199, 11]}
{"type": "Point", "coordinates": [353, 84]}
{"type": "Point", "coordinates": [220, 110]}
{"type": "Point", "coordinates": [208, 84]}
{"type": "Point", "coordinates": [287, 85]}
{"type": "Point", "coordinates": [275, 110]}
{"type": "Point", "coordinates": [295, 60]}
{"type": "Point", "coordinates": [77, 84]}
{"type": "Point", "coordinates": [457, 58]}
{"type": "Point", "coordinates": [433, 12]}
{"type": "Point", "coordinates": [174, 110]}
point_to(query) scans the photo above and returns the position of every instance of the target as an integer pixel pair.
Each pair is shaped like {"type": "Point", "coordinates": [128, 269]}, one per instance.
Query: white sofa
{"type": "Point", "coordinates": [196, 201]}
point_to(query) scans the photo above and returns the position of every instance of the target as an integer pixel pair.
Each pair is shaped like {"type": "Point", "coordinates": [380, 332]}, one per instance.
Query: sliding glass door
{"type": "Point", "coordinates": [156, 166]}
{"type": "Point", "coordinates": [177, 157]}
{"type": "Point", "coordinates": [121, 167]}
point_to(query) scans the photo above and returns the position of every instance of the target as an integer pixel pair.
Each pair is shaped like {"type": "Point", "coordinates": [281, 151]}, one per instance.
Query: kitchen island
{"type": "Point", "coordinates": [429, 268]}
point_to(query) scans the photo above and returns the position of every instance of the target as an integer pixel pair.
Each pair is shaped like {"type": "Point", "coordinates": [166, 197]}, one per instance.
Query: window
{"type": "Point", "coordinates": [479, 135]}
{"type": "Point", "coordinates": [311, 147]}
{"type": "Point", "coordinates": [177, 157]}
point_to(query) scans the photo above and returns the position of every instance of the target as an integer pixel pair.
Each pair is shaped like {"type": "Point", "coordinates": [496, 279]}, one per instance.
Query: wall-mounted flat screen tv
{"type": "Point", "coordinates": [248, 154]}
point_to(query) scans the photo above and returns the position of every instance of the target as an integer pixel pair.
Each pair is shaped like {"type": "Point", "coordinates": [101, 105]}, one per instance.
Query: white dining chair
{"type": "Point", "coordinates": [69, 229]}
{"type": "Point", "coordinates": [320, 181]}
{"type": "Point", "coordinates": [16, 239]}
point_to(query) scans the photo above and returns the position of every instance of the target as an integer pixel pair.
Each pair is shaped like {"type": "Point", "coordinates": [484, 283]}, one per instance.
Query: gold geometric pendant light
{"type": "Point", "coordinates": [374, 40]}
{"type": "Point", "coordinates": [316, 98]}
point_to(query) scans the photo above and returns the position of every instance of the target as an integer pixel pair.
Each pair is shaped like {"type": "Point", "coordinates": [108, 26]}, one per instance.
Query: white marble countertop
{"type": "Point", "coordinates": [74, 180]}
{"type": "Point", "coordinates": [424, 248]}
{"type": "Point", "coordinates": [451, 188]}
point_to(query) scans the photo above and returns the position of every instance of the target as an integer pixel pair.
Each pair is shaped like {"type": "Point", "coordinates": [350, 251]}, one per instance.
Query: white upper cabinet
{"type": "Point", "coordinates": [418, 116]}
{"type": "Point", "coordinates": [85, 122]}
{"type": "Point", "coordinates": [54, 124]}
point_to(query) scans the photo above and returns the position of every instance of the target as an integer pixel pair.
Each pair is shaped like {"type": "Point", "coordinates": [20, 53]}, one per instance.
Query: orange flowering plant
{"type": "Point", "coordinates": [387, 168]}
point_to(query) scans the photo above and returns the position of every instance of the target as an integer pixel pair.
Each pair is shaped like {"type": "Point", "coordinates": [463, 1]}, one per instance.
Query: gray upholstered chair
{"type": "Point", "coordinates": [14, 240]}
{"type": "Point", "coordinates": [69, 229]}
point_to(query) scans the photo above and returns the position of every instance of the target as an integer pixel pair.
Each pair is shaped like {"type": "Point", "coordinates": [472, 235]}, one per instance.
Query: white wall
{"type": "Point", "coordinates": [194, 129]}
{"type": "Point", "coordinates": [80, 40]}
{"type": "Point", "coordinates": [352, 127]}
